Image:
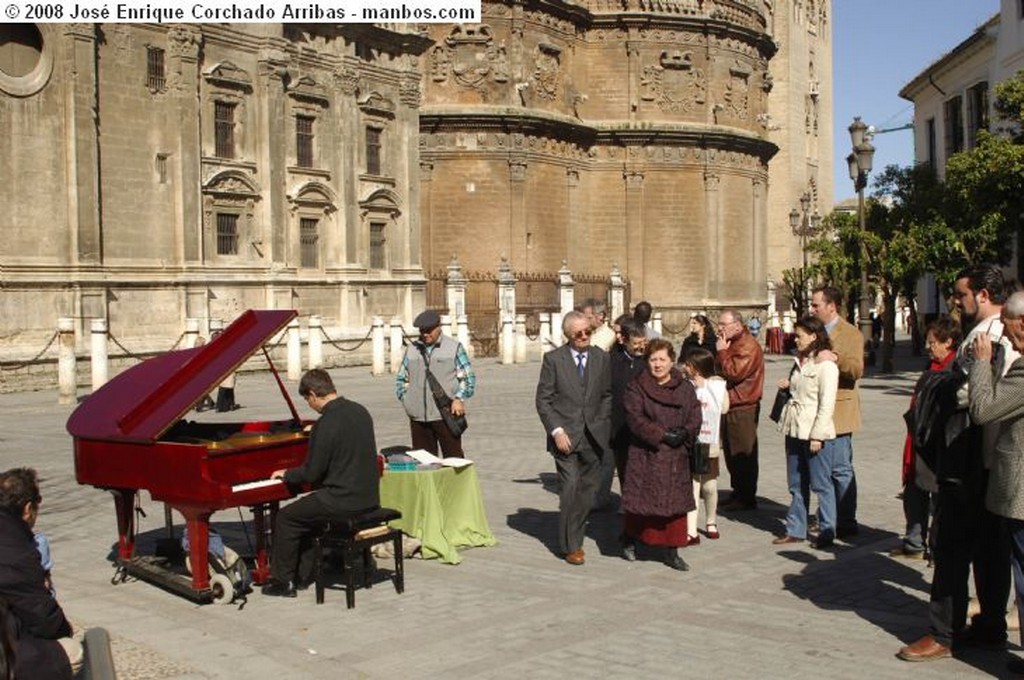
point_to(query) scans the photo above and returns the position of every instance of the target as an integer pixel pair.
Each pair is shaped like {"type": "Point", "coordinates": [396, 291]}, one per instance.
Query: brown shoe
{"type": "Point", "coordinates": [781, 540]}
{"type": "Point", "coordinates": [925, 649]}
{"type": "Point", "coordinates": [575, 557]}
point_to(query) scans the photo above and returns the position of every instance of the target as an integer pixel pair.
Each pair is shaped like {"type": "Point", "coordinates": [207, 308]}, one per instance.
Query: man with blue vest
{"type": "Point", "coordinates": [447, 360]}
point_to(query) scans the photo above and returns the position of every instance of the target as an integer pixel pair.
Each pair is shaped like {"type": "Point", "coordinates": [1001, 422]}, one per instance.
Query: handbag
{"type": "Point", "coordinates": [700, 458]}
{"type": "Point", "coordinates": [456, 424]}
{"type": "Point", "coordinates": [782, 398]}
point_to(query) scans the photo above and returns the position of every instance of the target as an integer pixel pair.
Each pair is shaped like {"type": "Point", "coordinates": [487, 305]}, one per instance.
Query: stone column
{"type": "Point", "coordinates": [634, 231]}
{"type": "Point", "coordinates": [183, 43]}
{"type": "Point", "coordinates": [618, 294]}
{"type": "Point", "coordinates": [463, 335]}
{"type": "Point", "coordinates": [566, 290]}
{"type": "Point", "coordinates": [82, 173]}
{"type": "Point", "coordinates": [455, 289]}
{"type": "Point", "coordinates": [294, 351]}
{"type": "Point", "coordinates": [656, 322]}
{"type": "Point", "coordinates": [315, 340]}
{"type": "Point", "coordinates": [506, 290]}
{"type": "Point", "coordinates": [67, 378]}
{"type": "Point", "coordinates": [98, 353]}
{"type": "Point", "coordinates": [377, 337]}
{"type": "Point", "coordinates": [520, 336]}
{"type": "Point", "coordinates": [273, 69]}
{"type": "Point", "coordinates": [508, 348]}
{"type": "Point", "coordinates": [716, 249]}
{"type": "Point", "coordinates": [772, 321]}
{"type": "Point", "coordinates": [517, 232]}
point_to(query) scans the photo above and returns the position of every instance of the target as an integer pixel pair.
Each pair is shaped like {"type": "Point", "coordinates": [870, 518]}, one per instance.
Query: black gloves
{"type": "Point", "coordinates": [674, 437]}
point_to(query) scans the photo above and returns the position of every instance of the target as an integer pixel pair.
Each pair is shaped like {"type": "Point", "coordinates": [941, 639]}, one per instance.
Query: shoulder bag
{"type": "Point", "coordinates": [456, 424]}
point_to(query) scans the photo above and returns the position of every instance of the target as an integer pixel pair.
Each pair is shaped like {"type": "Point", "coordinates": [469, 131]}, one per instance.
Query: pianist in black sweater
{"type": "Point", "coordinates": [341, 466]}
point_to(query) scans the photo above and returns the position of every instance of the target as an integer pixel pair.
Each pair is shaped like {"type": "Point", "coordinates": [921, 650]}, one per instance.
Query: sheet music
{"type": "Point", "coordinates": [258, 484]}
{"type": "Point", "coordinates": [426, 458]}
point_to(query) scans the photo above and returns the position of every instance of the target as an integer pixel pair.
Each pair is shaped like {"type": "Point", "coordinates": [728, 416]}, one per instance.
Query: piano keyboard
{"type": "Point", "coordinates": [258, 484]}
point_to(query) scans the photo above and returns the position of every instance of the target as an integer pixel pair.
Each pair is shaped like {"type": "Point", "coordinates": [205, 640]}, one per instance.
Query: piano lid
{"type": "Point", "coordinates": [144, 401]}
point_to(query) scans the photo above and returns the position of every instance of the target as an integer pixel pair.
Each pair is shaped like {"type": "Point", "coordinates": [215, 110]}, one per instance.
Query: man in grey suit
{"type": "Point", "coordinates": [574, 402]}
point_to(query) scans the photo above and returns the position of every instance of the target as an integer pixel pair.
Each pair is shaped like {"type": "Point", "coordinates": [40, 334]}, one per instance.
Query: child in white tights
{"type": "Point", "coordinates": [698, 364]}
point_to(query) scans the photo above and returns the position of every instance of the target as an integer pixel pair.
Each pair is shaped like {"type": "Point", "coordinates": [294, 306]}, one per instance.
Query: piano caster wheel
{"type": "Point", "coordinates": [223, 589]}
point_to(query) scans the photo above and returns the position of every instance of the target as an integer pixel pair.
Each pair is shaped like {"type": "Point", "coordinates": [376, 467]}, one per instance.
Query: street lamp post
{"type": "Point", "coordinates": [859, 162]}
{"type": "Point", "coordinates": [804, 224]}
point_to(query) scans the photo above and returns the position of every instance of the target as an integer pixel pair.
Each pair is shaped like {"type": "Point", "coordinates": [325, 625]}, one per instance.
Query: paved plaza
{"type": "Point", "coordinates": [746, 609]}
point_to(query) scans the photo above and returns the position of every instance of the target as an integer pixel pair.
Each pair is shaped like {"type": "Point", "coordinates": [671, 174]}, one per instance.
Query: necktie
{"type": "Point", "coordinates": [579, 363]}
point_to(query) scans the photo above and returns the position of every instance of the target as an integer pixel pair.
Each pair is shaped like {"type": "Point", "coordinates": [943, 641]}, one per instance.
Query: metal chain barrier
{"type": "Point", "coordinates": [177, 342]}
{"type": "Point", "coordinates": [333, 343]}
{"type": "Point", "coordinates": [124, 349]}
{"type": "Point", "coordinates": [668, 330]}
{"type": "Point", "coordinates": [37, 357]}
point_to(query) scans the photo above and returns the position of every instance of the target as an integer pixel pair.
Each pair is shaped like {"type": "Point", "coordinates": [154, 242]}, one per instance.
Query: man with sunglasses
{"type": "Point", "coordinates": [448, 361]}
{"type": "Point", "coordinates": [574, 402]}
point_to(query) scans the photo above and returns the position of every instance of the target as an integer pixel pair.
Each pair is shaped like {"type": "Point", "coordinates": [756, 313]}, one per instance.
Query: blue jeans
{"type": "Point", "coordinates": [844, 482]}
{"type": "Point", "coordinates": [809, 473]}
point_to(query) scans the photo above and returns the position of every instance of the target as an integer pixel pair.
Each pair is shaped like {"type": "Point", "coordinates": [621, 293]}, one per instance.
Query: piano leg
{"type": "Point", "coordinates": [197, 523]}
{"type": "Point", "coordinates": [124, 505]}
{"type": "Point", "coordinates": [261, 572]}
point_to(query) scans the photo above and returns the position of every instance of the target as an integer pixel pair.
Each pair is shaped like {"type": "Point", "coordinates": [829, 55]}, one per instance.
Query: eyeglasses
{"type": "Point", "coordinates": [579, 335]}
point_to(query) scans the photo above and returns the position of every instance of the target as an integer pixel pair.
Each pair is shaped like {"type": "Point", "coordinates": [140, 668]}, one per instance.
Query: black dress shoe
{"type": "Point", "coordinates": [673, 560]}
{"type": "Point", "coordinates": [275, 588]}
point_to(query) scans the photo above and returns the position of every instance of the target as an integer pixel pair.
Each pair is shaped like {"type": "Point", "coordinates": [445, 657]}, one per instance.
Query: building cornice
{"type": "Point", "coordinates": [983, 37]}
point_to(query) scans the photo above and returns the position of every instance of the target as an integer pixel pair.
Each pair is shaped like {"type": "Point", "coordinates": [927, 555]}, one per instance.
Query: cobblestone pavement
{"type": "Point", "coordinates": [746, 609]}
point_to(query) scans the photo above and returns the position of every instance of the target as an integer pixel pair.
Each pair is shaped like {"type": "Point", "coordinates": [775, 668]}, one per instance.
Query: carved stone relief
{"type": "Point", "coordinates": [674, 84]}
{"type": "Point", "coordinates": [470, 57]}
{"type": "Point", "coordinates": [737, 91]}
{"type": "Point", "coordinates": [546, 72]}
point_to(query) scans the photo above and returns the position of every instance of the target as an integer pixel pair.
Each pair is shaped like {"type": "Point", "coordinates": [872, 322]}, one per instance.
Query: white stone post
{"type": "Point", "coordinates": [618, 294]}
{"type": "Point", "coordinates": [656, 322]}
{"type": "Point", "coordinates": [557, 339]}
{"type": "Point", "coordinates": [98, 353]}
{"type": "Point", "coordinates": [463, 335]}
{"type": "Point", "coordinates": [508, 346]}
{"type": "Point", "coordinates": [294, 351]}
{"type": "Point", "coordinates": [455, 289]}
{"type": "Point", "coordinates": [506, 290]}
{"type": "Point", "coordinates": [191, 333]}
{"type": "Point", "coordinates": [546, 343]}
{"type": "Point", "coordinates": [396, 346]}
{"type": "Point", "coordinates": [788, 318]}
{"type": "Point", "coordinates": [566, 290]}
{"type": "Point", "coordinates": [448, 325]}
{"type": "Point", "coordinates": [67, 380]}
{"type": "Point", "coordinates": [377, 336]}
{"type": "Point", "coordinates": [315, 340]}
{"type": "Point", "coordinates": [216, 326]}
{"type": "Point", "coordinates": [772, 312]}
{"type": "Point", "coordinates": [520, 339]}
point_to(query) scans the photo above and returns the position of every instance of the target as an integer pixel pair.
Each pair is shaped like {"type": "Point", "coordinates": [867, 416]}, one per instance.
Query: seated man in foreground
{"type": "Point", "coordinates": [341, 465]}
{"type": "Point", "coordinates": [42, 643]}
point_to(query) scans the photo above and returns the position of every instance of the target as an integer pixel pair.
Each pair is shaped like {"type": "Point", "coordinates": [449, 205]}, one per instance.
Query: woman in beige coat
{"type": "Point", "coordinates": [807, 421]}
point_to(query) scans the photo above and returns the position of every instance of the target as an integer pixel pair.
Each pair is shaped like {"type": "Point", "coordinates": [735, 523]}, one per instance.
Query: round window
{"type": "Point", "coordinates": [25, 62]}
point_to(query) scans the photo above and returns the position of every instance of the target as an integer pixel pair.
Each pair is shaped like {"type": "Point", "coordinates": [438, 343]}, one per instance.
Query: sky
{"type": "Point", "coordinates": [878, 47]}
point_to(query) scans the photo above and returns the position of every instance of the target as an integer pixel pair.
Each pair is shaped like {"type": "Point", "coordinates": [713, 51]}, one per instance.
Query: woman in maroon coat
{"type": "Point", "coordinates": [664, 418]}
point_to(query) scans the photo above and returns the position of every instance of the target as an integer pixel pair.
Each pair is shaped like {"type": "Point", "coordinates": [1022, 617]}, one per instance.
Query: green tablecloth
{"type": "Point", "coordinates": [441, 507]}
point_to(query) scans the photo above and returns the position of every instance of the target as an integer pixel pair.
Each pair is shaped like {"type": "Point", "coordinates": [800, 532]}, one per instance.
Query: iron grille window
{"type": "Point", "coordinates": [308, 239]}
{"type": "Point", "coordinates": [377, 259]}
{"type": "Point", "coordinates": [155, 68]}
{"type": "Point", "coordinates": [372, 151]}
{"type": "Point", "coordinates": [224, 129]}
{"type": "Point", "coordinates": [227, 234]}
{"type": "Point", "coordinates": [304, 141]}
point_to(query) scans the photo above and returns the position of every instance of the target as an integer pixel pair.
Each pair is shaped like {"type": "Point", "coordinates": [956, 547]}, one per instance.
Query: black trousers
{"type": "Point", "coordinates": [294, 528]}
{"type": "Point", "coordinates": [579, 474]}
{"type": "Point", "coordinates": [739, 441]}
{"type": "Point", "coordinates": [967, 534]}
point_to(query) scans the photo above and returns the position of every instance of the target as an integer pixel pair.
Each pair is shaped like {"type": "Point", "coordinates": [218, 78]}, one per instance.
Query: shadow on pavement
{"type": "Point", "coordinates": [540, 524]}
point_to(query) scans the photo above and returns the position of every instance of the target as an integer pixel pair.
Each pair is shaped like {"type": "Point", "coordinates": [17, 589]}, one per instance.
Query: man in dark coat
{"type": "Point", "coordinates": [574, 402]}
{"type": "Point", "coordinates": [342, 464]}
{"type": "Point", "coordinates": [43, 646]}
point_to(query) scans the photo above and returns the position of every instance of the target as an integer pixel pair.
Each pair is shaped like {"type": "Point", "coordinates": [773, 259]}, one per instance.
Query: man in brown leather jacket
{"type": "Point", "coordinates": [742, 362]}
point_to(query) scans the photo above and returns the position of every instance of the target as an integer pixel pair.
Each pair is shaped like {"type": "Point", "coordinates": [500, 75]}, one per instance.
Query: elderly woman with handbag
{"type": "Point", "coordinates": [807, 421]}
{"type": "Point", "coordinates": [664, 419]}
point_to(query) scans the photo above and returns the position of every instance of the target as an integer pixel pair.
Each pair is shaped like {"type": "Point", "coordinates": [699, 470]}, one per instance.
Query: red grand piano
{"type": "Point", "coordinates": [131, 435]}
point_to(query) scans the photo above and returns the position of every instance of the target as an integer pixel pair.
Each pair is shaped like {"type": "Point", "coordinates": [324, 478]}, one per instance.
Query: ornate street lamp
{"type": "Point", "coordinates": [859, 162]}
{"type": "Point", "coordinates": [804, 224]}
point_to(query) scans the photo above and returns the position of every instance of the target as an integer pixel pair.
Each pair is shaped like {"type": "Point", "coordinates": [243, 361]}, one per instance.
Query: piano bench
{"type": "Point", "coordinates": [353, 538]}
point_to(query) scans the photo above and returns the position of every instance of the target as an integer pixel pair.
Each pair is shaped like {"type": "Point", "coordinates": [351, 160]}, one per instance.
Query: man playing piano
{"type": "Point", "coordinates": [341, 466]}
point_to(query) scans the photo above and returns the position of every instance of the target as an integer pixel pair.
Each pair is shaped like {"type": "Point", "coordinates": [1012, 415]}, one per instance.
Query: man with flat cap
{"type": "Point", "coordinates": [447, 360]}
